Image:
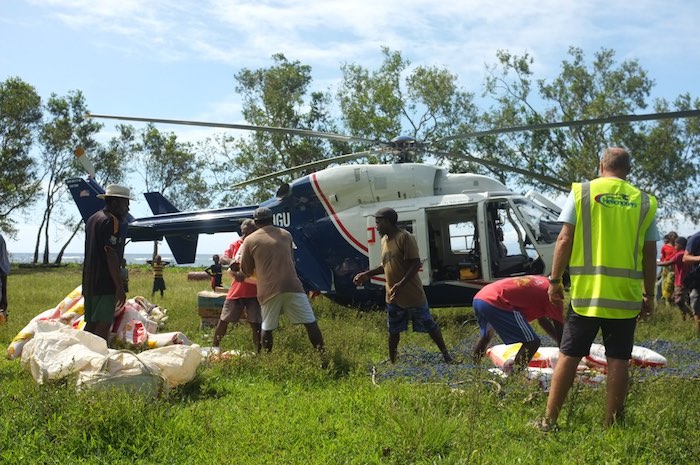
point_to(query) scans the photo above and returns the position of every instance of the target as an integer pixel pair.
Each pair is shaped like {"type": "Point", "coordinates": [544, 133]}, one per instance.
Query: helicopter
{"type": "Point", "coordinates": [470, 228]}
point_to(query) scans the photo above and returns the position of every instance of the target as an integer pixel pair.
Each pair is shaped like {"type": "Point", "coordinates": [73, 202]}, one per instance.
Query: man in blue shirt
{"type": "Point", "coordinates": [692, 249]}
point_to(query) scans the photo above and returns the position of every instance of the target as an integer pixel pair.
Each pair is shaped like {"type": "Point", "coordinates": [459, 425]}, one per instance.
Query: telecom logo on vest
{"type": "Point", "coordinates": [615, 200]}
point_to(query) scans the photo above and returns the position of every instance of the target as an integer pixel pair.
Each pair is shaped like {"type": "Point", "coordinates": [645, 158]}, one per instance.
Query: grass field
{"type": "Point", "coordinates": [284, 408]}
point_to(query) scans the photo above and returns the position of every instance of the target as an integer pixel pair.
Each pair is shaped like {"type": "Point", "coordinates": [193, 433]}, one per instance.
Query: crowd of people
{"type": "Point", "coordinates": [678, 279]}
{"type": "Point", "coordinates": [607, 243]}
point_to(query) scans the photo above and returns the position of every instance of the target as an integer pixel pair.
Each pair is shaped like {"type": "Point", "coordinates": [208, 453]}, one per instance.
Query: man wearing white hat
{"type": "Point", "coordinates": [104, 249]}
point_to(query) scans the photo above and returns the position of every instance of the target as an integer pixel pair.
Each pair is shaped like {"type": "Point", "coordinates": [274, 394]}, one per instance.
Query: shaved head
{"type": "Point", "coordinates": [615, 161]}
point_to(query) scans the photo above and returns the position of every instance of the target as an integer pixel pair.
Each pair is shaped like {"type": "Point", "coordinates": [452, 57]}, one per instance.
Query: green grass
{"type": "Point", "coordinates": [284, 408]}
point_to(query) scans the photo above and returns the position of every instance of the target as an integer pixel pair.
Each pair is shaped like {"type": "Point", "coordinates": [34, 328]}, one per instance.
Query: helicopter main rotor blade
{"type": "Point", "coordinates": [313, 164]}
{"type": "Point", "coordinates": [245, 127]}
{"type": "Point", "coordinates": [577, 123]}
{"type": "Point", "coordinates": [550, 181]}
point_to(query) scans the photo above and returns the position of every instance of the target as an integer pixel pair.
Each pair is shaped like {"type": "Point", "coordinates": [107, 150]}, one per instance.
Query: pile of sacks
{"type": "Point", "coordinates": [591, 370]}
{"type": "Point", "coordinates": [53, 345]}
{"type": "Point", "coordinates": [57, 351]}
{"type": "Point", "coordinates": [135, 324]}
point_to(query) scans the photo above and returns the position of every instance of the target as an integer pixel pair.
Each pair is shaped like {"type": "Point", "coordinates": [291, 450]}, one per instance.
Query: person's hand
{"type": "Point", "coordinates": [235, 266]}
{"type": "Point", "coordinates": [360, 278]}
{"type": "Point", "coordinates": [648, 304]}
{"type": "Point", "coordinates": [556, 294]}
{"type": "Point", "coordinates": [394, 289]}
{"type": "Point", "coordinates": [120, 297]}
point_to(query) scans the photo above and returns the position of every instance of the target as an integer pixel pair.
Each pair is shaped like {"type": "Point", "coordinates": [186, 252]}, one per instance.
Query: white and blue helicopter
{"type": "Point", "coordinates": [471, 229]}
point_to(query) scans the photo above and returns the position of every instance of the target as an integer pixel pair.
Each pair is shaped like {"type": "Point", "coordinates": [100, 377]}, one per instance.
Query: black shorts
{"type": "Point", "coordinates": [580, 331]}
{"type": "Point", "coordinates": [158, 284]}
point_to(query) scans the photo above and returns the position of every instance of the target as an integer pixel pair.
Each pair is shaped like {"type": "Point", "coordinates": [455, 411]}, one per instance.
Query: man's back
{"type": "Point", "coordinates": [268, 253]}
{"type": "Point", "coordinates": [526, 294]}
{"type": "Point", "coordinates": [606, 265]}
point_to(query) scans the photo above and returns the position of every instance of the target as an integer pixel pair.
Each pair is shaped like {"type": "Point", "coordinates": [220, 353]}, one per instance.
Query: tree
{"type": "Point", "coordinates": [171, 168]}
{"type": "Point", "coordinates": [664, 152]}
{"type": "Point", "coordinates": [218, 152]}
{"type": "Point", "coordinates": [425, 103]}
{"type": "Point", "coordinates": [20, 119]}
{"type": "Point", "coordinates": [112, 159]}
{"type": "Point", "coordinates": [66, 128]}
{"type": "Point", "coordinates": [110, 163]}
{"type": "Point", "coordinates": [277, 96]}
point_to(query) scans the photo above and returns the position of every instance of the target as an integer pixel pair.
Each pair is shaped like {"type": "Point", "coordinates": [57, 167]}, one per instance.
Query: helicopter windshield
{"type": "Point", "coordinates": [542, 223]}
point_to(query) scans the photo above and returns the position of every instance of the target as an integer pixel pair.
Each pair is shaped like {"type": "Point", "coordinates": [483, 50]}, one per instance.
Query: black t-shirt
{"type": "Point", "coordinates": [693, 246]}
{"type": "Point", "coordinates": [101, 232]}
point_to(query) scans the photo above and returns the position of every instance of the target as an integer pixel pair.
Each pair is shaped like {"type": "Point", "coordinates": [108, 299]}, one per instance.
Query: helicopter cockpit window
{"type": "Point", "coordinates": [543, 223]}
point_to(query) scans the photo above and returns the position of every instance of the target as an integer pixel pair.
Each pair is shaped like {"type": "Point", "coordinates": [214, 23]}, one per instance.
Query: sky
{"type": "Point", "coordinates": [177, 58]}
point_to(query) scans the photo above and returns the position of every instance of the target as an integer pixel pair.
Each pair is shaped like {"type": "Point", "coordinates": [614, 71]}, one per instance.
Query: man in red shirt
{"type": "Point", "coordinates": [241, 295]}
{"type": "Point", "coordinates": [506, 306]}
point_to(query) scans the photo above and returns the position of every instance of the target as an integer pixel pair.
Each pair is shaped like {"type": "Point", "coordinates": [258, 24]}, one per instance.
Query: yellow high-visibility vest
{"type": "Point", "coordinates": [612, 218]}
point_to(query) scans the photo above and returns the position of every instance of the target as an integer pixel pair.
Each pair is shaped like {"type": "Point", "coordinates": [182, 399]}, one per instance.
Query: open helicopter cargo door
{"type": "Point", "coordinates": [412, 221]}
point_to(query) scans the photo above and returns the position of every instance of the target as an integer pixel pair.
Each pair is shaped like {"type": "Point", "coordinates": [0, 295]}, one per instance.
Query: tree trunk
{"type": "Point", "coordinates": [59, 257]}
{"type": "Point", "coordinates": [45, 260]}
{"type": "Point", "coordinates": [46, 235]}
{"type": "Point", "coordinates": [35, 260]}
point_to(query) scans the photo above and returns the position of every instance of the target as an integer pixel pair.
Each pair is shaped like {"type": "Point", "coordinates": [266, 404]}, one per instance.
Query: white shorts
{"type": "Point", "coordinates": [294, 304]}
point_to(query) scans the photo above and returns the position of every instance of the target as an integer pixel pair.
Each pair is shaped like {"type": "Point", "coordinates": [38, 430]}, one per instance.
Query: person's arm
{"type": "Point", "coordinates": [113, 268]}
{"type": "Point", "coordinates": [227, 257]}
{"type": "Point", "coordinates": [247, 264]}
{"type": "Point", "coordinates": [691, 259]}
{"type": "Point", "coordinates": [552, 327]}
{"type": "Point", "coordinates": [649, 273]}
{"type": "Point", "coordinates": [669, 262]}
{"type": "Point", "coordinates": [562, 254]}
{"type": "Point", "coordinates": [361, 278]}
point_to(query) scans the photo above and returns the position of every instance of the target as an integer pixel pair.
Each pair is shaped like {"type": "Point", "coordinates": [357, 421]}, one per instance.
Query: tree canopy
{"type": "Point", "coordinates": [171, 167]}
{"type": "Point", "coordinates": [67, 126]}
{"type": "Point", "coordinates": [20, 120]}
{"type": "Point", "coordinates": [424, 102]}
{"type": "Point", "coordinates": [277, 96]}
{"type": "Point", "coordinates": [665, 153]}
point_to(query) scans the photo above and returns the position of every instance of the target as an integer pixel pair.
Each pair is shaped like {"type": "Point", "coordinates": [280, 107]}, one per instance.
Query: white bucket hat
{"type": "Point", "coordinates": [115, 190]}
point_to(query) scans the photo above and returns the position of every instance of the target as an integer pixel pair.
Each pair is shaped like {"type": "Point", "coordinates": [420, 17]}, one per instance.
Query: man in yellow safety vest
{"type": "Point", "coordinates": [609, 242]}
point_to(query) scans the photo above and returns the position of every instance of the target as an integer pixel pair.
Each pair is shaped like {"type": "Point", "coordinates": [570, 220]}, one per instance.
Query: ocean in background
{"type": "Point", "coordinates": [202, 260]}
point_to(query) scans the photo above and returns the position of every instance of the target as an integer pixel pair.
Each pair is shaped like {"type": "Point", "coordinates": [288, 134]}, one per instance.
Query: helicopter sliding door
{"type": "Point", "coordinates": [453, 243]}
{"type": "Point", "coordinates": [413, 222]}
